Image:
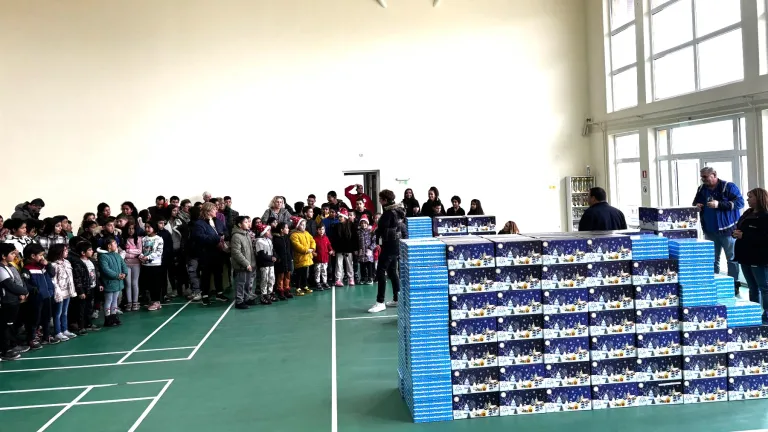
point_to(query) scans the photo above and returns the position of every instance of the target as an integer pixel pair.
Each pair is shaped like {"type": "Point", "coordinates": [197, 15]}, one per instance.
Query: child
{"type": "Point", "coordinates": [309, 214]}
{"type": "Point", "coordinates": [38, 277]}
{"type": "Point", "coordinates": [266, 260]}
{"type": "Point", "coordinates": [89, 233]}
{"type": "Point", "coordinates": [322, 255]}
{"type": "Point", "coordinates": [283, 263]}
{"type": "Point", "coordinates": [13, 292]}
{"type": "Point", "coordinates": [243, 263]}
{"type": "Point", "coordinates": [303, 248]}
{"type": "Point", "coordinates": [64, 283]}
{"type": "Point", "coordinates": [52, 234]}
{"type": "Point", "coordinates": [168, 260]}
{"type": "Point", "coordinates": [344, 241]}
{"type": "Point", "coordinates": [132, 246]}
{"type": "Point", "coordinates": [366, 246]}
{"type": "Point", "coordinates": [108, 231]}
{"type": "Point", "coordinates": [113, 273]}
{"type": "Point", "coordinates": [17, 236]}
{"type": "Point", "coordinates": [376, 251]}
{"type": "Point", "coordinates": [84, 277]}
{"type": "Point", "coordinates": [329, 222]}
{"type": "Point", "coordinates": [151, 265]}
{"type": "Point", "coordinates": [455, 209]}
{"type": "Point", "coordinates": [86, 217]}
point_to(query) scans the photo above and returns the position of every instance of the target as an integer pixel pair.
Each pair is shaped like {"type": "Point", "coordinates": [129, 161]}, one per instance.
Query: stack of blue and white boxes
{"type": "Point", "coordinates": [424, 362]}
{"type": "Point", "coordinates": [419, 227]}
{"type": "Point", "coordinates": [695, 262]}
{"type": "Point", "coordinates": [724, 286]}
{"type": "Point", "coordinates": [705, 358]}
{"type": "Point", "coordinates": [649, 247]}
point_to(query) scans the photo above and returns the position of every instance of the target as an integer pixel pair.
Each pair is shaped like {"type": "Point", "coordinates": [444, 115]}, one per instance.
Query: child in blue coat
{"type": "Point", "coordinates": [39, 278]}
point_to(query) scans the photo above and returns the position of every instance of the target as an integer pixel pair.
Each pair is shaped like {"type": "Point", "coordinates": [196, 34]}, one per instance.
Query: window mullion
{"type": "Point", "coordinates": [697, 83]}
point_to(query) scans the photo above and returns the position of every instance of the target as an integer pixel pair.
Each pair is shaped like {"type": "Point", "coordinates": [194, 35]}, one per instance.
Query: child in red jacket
{"type": "Point", "coordinates": [323, 252]}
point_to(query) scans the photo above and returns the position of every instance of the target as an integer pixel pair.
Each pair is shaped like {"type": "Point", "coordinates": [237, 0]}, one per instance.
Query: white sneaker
{"type": "Point", "coordinates": [392, 303]}
{"type": "Point", "coordinates": [61, 338]}
{"type": "Point", "coordinates": [196, 297]}
{"type": "Point", "coordinates": [95, 315]}
{"type": "Point", "coordinates": [377, 307]}
{"type": "Point", "coordinates": [69, 334]}
{"type": "Point", "coordinates": [118, 311]}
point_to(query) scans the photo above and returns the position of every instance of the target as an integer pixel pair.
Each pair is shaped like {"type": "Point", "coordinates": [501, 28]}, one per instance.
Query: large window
{"type": "Point", "coordinates": [626, 176]}
{"type": "Point", "coordinates": [622, 46]}
{"type": "Point", "coordinates": [695, 45]}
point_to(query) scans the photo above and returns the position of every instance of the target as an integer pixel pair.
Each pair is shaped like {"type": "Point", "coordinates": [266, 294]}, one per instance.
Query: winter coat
{"type": "Point", "coordinates": [390, 229]}
{"type": "Point", "coordinates": [302, 242]}
{"type": "Point", "coordinates": [111, 265]}
{"type": "Point", "coordinates": [726, 215]}
{"type": "Point", "coordinates": [167, 246]}
{"type": "Point", "coordinates": [241, 249]}
{"type": "Point", "coordinates": [48, 241]}
{"type": "Point", "coordinates": [283, 215]}
{"type": "Point", "coordinates": [175, 227]}
{"type": "Point", "coordinates": [102, 238]}
{"type": "Point", "coordinates": [428, 209]}
{"type": "Point", "coordinates": [452, 212]}
{"type": "Point", "coordinates": [11, 285]}
{"type": "Point", "coordinates": [229, 217]}
{"type": "Point", "coordinates": [264, 252]}
{"type": "Point", "coordinates": [133, 250]}
{"type": "Point", "coordinates": [23, 212]}
{"type": "Point", "coordinates": [323, 249]}
{"type": "Point", "coordinates": [366, 245]}
{"type": "Point", "coordinates": [284, 253]}
{"type": "Point", "coordinates": [344, 238]}
{"type": "Point", "coordinates": [312, 227]}
{"type": "Point", "coordinates": [39, 280]}
{"type": "Point", "coordinates": [152, 248]}
{"type": "Point", "coordinates": [752, 247]}
{"type": "Point", "coordinates": [359, 215]}
{"type": "Point", "coordinates": [63, 281]}
{"type": "Point", "coordinates": [80, 275]}
{"type": "Point", "coordinates": [409, 204]}
{"type": "Point", "coordinates": [19, 242]}
{"type": "Point", "coordinates": [204, 239]}
{"type": "Point", "coordinates": [329, 223]}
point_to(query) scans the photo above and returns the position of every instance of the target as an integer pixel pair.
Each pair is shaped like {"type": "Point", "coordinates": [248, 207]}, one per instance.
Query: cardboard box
{"type": "Point", "coordinates": [481, 224]}
{"type": "Point", "coordinates": [468, 252]}
{"type": "Point", "coordinates": [611, 298]}
{"type": "Point", "coordinates": [523, 377]}
{"type": "Point", "coordinates": [654, 272]}
{"type": "Point", "coordinates": [668, 368]}
{"type": "Point", "coordinates": [705, 390]}
{"type": "Point", "coordinates": [623, 395]}
{"type": "Point", "coordinates": [704, 318]}
{"type": "Point", "coordinates": [656, 296]}
{"type": "Point", "coordinates": [475, 305]}
{"type": "Point", "coordinates": [516, 250]}
{"type": "Point", "coordinates": [520, 327]}
{"type": "Point", "coordinates": [472, 331]}
{"type": "Point", "coordinates": [668, 218]}
{"type": "Point", "coordinates": [659, 344]}
{"type": "Point", "coordinates": [563, 250]}
{"type": "Point", "coordinates": [464, 281]}
{"type": "Point", "coordinates": [748, 387]}
{"type": "Point", "coordinates": [614, 371]}
{"type": "Point", "coordinates": [523, 402]}
{"type": "Point", "coordinates": [566, 350]}
{"type": "Point", "coordinates": [613, 346]}
{"type": "Point", "coordinates": [609, 273]}
{"type": "Point", "coordinates": [560, 301]}
{"type": "Point", "coordinates": [609, 248]}
{"type": "Point", "coordinates": [566, 325]}
{"type": "Point", "coordinates": [567, 399]}
{"type": "Point", "coordinates": [449, 225]}
{"type": "Point", "coordinates": [564, 276]}
{"type": "Point", "coordinates": [658, 320]}
{"type": "Point", "coordinates": [517, 278]}
{"type": "Point", "coordinates": [620, 321]}
{"type": "Point", "coordinates": [660, 393]}
{"type": "Point", "coordinates": [747, 338]}
{"type": "Point", "coordinates": [471, 381]}
{"type": "Point", "coordinates": [748, 363]}
{"type": "Point", "coordinates": [567, 374]}
{"type": "Point", "coordinates": [705, 342]}
{"type": "Point", "coordinates": [705, 366]}
{"type": "Point", "coordinates": [522, 302]}
{"type": "Point", "coordinates": [474, 356]}
{"type": "Point", "coordinates": [475, 406]}
{"type": "Point", "coordinates": [521, 352]}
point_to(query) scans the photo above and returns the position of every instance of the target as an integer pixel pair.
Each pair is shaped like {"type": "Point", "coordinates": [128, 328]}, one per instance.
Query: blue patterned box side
{"type": "Point", "coordinates": [668, 218]}
{"type": "Point", "coordinates": [705, 366]}
{"type": "Point", "coordinates": [475, 305]}
{"type": "Point", "coordinates": [516, 250]}
{"type": "Point", "coordinates": [611, 298]}
{"type": "Point", "coordinates": [704, 318]}
{"type": "Point", "coordinates": [660, 369]}
{"type": "Point", "coordinates": [566, 350]}
{"type": "Point", "coordinates": [474, 356]}
{"type": "Point", "coordinates": [659, 344]}
{"type": "Point", "coordinates": [705, 390]}
{"type": "Point", "coordinates": [463, 281]}
{"type": "Point", "coordinates": [613, 371]}
{"type": "Point", "coordinates": [748, 363]}
{"type": "Point", "coordinates": [566, 399]}
{"type": "Point", "coordinates": [747, 338]}
{"type": "Point", "coordinates": [654, 296]}
{"type": "Point", "coordinates": [567, 374]}
{"type": "Point", "coordinates": [561, 250]}
{"type": "Point", "coordinates": [517, 278]}
{"type": "Point", "coordinates": [523, 402]}
{"type": "Point", "coordinates": [620, 321]}
{"type": "Point", "coordinates": [520, 327]}
{"type": "Point", "coordinates": [521, 352]}
{"type": "Point", "coordinates": [609, 248]}
{"type": "Point", "coordinates": [571, 300]}
{"type": "Point", "coordinates": [566, 325]}
{"type": "Point", "coordinates": [464, 252]}
{"type": "Point", "coordinates": [705, 342]}
{"type": "Point", "coordinates": [654, 272]}
{"type": "Point", "coordinates": [472, 331]}
{"type": "Point", "coordinates": [660, 393]}
{"type": "Point", "coordinates": [613, 346]}
{"type": "Point", "coordinates": [564, 276]}
{"type": "Point", "coordinates": [451, 225]}
{"type": "Point", "coordinates": [481, 224]}
{"type": "Point", "coordinates": [748, 387]}
{"type": "Point", "coordinates": [519, 302]}
{"type": "Point", "coordinates": [609, 273]}
{"type": "Point", "coordinates": [475, 406]}
{"type": "Point", "coordinates": [658, 320]}
{"type": "Point", "coordinates": [480, 380]}
{"type": "Point", "coordinates": [522, 377]}
{"type": "Point", "coordinates": [621, 395]}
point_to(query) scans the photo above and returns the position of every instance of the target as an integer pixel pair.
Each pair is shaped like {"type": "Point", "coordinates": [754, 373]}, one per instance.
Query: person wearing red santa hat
{"type": "Point", "coordinates": [265, 260]}
{"type": "Point", "coordinates": [345, 242]}
{"type": "Point", "coordinates": [366, 246]}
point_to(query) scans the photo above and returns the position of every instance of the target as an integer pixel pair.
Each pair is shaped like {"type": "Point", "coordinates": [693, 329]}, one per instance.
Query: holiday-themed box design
{"type": "Point", "coordinates": [564, 276]}
{"type": "Point", "coordinates": [705, 366]}
{"type": "Point", "coordinates": [705, 390]}
{"type": "Point", "coordinates": [748, 363]}
{"type": "Point", "coordinates": [660, 393]}
{"type": "Point", "coordinates": [659, 344]}
{"type": "Point", "coordinates": [473, 331]}
{"type": "Point", "coordinates": [566, 350]}
{"type": "Point", "coordinates": [567, 374]}
{"type": "Point", "coordinates": [474, 356]}
{"type": "Point", "coordinates": [571, 300]}
{"type": "Point", "coordinates": [612, 346]}
{"type": "Point", "coordinates": [520, 352]}
{"type": "Point", "coordinates": [522, 402]}
{"type": "Point", "coordinates": [748, 387]}
{"type": "Point", "coordinates": [705, 342]}
{"type": "Point", "coordinates": [668, 218]}
{"type": "Point", "coordinates": [654, 272]}
{"type": "Point", "coordinates": [611, 298]}
{"type": "Point", "coordinates": [614, 371]}
{"type": "Point", "coordinates": [619, 395]}
{"type": "Point", "coordinates": [525, 302]}
{"type": "Point", "coordinates": [563, 250]}
{"type": "Point", "coordinates": [522, 377]}
{"type": "Point", "coordinates": [475, 305]}
{"type": "Point", "coordinates": [704, 318]}
{"type": "Point", "coordinates": [481, 224]}
{"type": "Point", "coordinates": [747, 338]}
{"type": "Point", "coordinates": [480, 380]}
{"type": "Point", "coordinates": [656, 296]}
{"type": "Point", "coordinates": [454, 225]}
{"type": "Point", "coordinates": [658, 319]}
{"type": "Point", "coordinates": [609, 248]}
{"type": "Point", "coordinates": [609, 273]}
{"type": "Point", "coordinates": [566, 325]}
{"type": "Point", "coordinates": [516, 250]}
{"type": "Point", "coordinates": [660, 369]}
{"type": "Point", "coordinates": [520, 327]}
{"type": "Point", "coordinates": [564, 399]}
{"type": "Point", "coordinates": [470, 280]}
{"type": "Point", "coordinates": [620, 321]}
{"type": "Point", "coordinates": [677, 234]}
{"type": "Point", "coordinates": [466, 252]}
{"type": "Point", "coordinates": [475, 405]}
{"type": "Point", "coordinates": [517, 278]}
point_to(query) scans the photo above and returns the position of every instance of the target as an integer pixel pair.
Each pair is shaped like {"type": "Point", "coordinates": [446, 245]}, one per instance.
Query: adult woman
{"type": "Point", "coordinates": [278, 211]}
{"type": "Point", "coordinates": [428, 209]}
{"type": "Point", "coordinates": [103, 212]}
{"type": "Point", "coordinates": [411, 204]}
{"type": "Point", "coordinates": [206, 236]}
{"type": "Point", "coordinates": [510, 228]}
{"type": "Point", "coordinates": [128, 209]}
{"type": "Point", "coordinates": [389, 230]}
{"type": "Point", "coordinates": [52, 234]}
{"type": "Point", "coordinates": [751, 249]}
{"type": "Point", "coordinates": [475, 208]}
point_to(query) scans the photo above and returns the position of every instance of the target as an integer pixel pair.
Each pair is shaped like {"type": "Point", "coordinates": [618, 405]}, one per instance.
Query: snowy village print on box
{"type": "Point", "coordinates": [660, 369]}
{"type": "Point", "coordinates": [517, 251]}
{"type": "Point", "coordinates": [517, 278]}
{"type": "Point", "coordinates": [480, 380]}
{"type": "Point", "coordinates": [469, 253]}
{"type": "Point", "coordinates": [658, 320]}
{"type": "Point", "coordinates": [526, 302]}
{"type": "Point", "coordinates": [474, 356]}
{"type": "Point", "coordinates": [481, 224]}
{"type": "Point", "coordinates": [522, 402]}
{"type": "Point", "coordinates": [521, 352]}
{"type": "Point", "coordinates": [564, 276]}
{"type": "Point", "coordinates": [747, 338]}
{"type": "Point", "coordinates": [563, 251]}
{"type": "Point", "coordinates": [566, 350]}
{"type": "Point", "coordinates": [611, 298]}
{"type": "Point", "coordinates": [475, 405]}
{"type": "Point", "coordinates": [705, 342]}
{"type": "Point", "coordinates": [660, 393]}
{"type": "Point", "coordinates": [705, 390]}
{"type": "Point", "coordinates": [520, 327]}
{"type": "Point", "coordinates": [563, 399]}
{"type": "Point", "coordinates": [473, 331]}
{"type": "Point", "coordinates": [748, 363]}
{"type": "Point", "coordinates": [607, 322]}
{"type": "Point", "coordinates": [522, 377]}
{"type": "Point", "coordinates": [609, 248]}
{"type": "Point", "coordinates": [705, 366]}
{"type": "Point", "coordinates": [450, 225]}
{"type": "Point", "coordinates": [560, 301]}
{"type": "Point", "coordinates": [659, 344]}
{"type": "Point", "coordinates": [655, 296]}
{"type": "Point", "coordinates": [654, 272]}
{"type": "Point", "coordinates": [567, 374]}
{"type": "Point", "coordinates": [471, 280]}
{"type": "Point", "coordinates": [566, 325]}
{"type": "Point", "coordinates": [620, 395]}
{"type": "Point", "coordinates": [609, 273]}
{"type": "Point", "coordinates": [475, 305]}
{"type": "Point", "coordinates": [612, 346]}
{"type": "Point", "coordinates": [613, 371]}
{"type": "Point", "coordinates": [748, 387]}
{"type": "Point", "coordinates": [704, 318]}
{"type": "Point", "coordinates": [669, 218]}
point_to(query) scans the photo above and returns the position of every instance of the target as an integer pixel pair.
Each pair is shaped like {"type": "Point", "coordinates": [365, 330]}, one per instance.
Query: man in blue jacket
{"type": "Point", "coordinates": [720, 203]}
{"type": "Point", "coordinates": [601, 216]}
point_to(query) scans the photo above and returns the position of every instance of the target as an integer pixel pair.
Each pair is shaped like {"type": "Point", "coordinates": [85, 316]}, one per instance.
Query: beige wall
{"type": "Point", "coordinates": [114, 99]}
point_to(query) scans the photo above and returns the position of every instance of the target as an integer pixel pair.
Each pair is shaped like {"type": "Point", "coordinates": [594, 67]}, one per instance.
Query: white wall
{"type": "Point", "coordinates": [116, 100]}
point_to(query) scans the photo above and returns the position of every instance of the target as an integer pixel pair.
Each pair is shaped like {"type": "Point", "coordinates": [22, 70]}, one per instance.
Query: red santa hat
{"type": "Point", "coordinates": [295, 221]}
{"type": "Point", "coordinates": [364, 218]}
{"type": "Point", "coordinates": [262, 229]}
{"type": "Point", "coordinates": [344, 213]}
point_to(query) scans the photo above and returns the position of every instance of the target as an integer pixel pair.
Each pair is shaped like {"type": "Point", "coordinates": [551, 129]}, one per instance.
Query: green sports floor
{"type": "Point", "coordinates": [188, 368]}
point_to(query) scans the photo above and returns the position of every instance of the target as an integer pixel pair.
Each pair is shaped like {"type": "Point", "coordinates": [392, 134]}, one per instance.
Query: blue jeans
{"type": "Point", "coordinates": [757, 279]}
{"type": "Point", "coordinates": [60, 316]}
{"type": "Point", "coordinates": [727, 243]}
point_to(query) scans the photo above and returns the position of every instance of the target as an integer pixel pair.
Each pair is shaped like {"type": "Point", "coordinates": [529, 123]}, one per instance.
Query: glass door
{"type": "Point", "coordinates": [685, 180]}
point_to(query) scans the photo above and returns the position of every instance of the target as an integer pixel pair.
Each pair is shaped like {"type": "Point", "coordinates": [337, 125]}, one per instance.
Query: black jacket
{"type": "Point", "coordinates": [752, 248]}
{"type": "Point", "coordinates": [80, 275]}
{"type": "Point", "coordinates": [602, 217]}
{"type": "Point", "coordinates": [409, 204]}
{"type": "Point", "coordinates": [167, 246]}
{"type": "Point", "coordinates": [391, 229]}
{"type": "Point", "coordinates": [344, 238]}
{"type": "Point", "coordinates": [452, 212]}
{"type": "Point", "coordinates": [311, 226]}
{"type": "Point", "coordinates": [283, 253]}
{"type": "Point", "coordinates": [10, 287]}
{"type": "Point", "coordinates": [428, 209]}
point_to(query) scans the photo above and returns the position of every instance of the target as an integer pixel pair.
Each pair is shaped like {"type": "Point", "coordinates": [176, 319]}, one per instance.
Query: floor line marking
{"type": "Point", "coordinates": [65, 409]}
{"type": "Point", "coordinates": [205, 338]}
{"type": "Point", "coordinates": [99, 402]}
{"type": "Point", "coordinates": [56, 389]}
{"type": "Point", "coordinates": [166, 349]}
{"type": "Point", "coordinates": [105, 353]}
{"type": "Point", "coordinates": [148, 382]}
{"type": "Point", "coordinates": [92, 366]}
{"type": "Point", "coordinates": [334, 389]}
{"type": "Point", "coordinates": [366, 317]}
{"type": "Point", "coordinates": [151, 405]}
{"type": "Point", "coordinates": [153, 333]}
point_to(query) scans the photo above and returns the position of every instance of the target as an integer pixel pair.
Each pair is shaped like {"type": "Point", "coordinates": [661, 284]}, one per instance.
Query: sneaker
{"type": "Point", "coordinates": [206, 301]}
{"type": "Point", "coordinates": [118, 311]}
{"type": "Point", "coordinates": [377, 307]}
{"type": "Point", "coordinates": [392, 303]}
{"type": "Point", "coordinates": [61, 337]}
{"type": "Point", "coordinates": [222, 297]}
{"type": "Point", "coordinates": [242, 306]}
{"type": "Point", "coordinates": [339, 284]}
{"type": "Point", "coordinates": [69, 334]}
{"type": "Point", "coordinates": [95, 315]}
{"type": "Point", "coordinates": [307, 290]}
{"type": "Point", "coordinates": [50, 341]}
{"type": "Point", "coordinates": [287, 294]}
{"type": "Point", "coordinates": [299, 292]}
{"type": "Point", "coordinates": [93, 328]}
{"type": "Point", "coordinates": [196, 298]}
{"type": "Point", "coordinates": [319, 288]}
{"type": "Point", "coordinates": [35, 345]}
{"type": "Point", "coordinates": [10, 355]}
{"type": "Point", "coordinates": [153, 307]}
{"type": "Point", "coordinates": [369, 282]}
{"type": "Point", "coordinates": [265, 300]}
{"type": "Point", "coordinates": [351, 283]}
{"type": "Point", "coordinates": [251, 302]}
{"type": "Point", "coordinates": [82, 332]}
{"type": "Point", "coordinates": [21, 348]}
{"type": "Point", "coordinates": [135, 307]}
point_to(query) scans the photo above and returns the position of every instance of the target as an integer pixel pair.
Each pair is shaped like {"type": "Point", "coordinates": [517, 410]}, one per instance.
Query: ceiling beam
{"type": "Point", "coordinates": [383, 3]}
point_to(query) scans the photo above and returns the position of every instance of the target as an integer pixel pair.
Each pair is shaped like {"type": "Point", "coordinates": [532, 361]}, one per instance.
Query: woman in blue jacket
{"type": "Point", "coordinates": [207, 234]}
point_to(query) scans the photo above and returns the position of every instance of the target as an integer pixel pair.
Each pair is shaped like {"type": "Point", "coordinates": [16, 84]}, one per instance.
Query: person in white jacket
{"type": "Point", "coordinates": [152, 275]}
{"type": "Point", "coordinates": [64, 283]}
{"type": "Point", "coordinates": [265, 260]}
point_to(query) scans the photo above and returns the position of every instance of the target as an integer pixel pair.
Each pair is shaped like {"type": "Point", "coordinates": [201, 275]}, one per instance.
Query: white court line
{"type": "Point", "coordinates": [153, 333]}
{"type": "Point", "coordinates": [56, 389]}
{"type": "Point", "coordinates": [366, 317]}
{"type": "Point", "coordinates": [151, 405]}
{"type": "Point", "coordinates": [148, 382]}
{"type": "Point", "coordinates": [23, 407]}
{"type": "Point", "coordinates": [92, 366]}
{"type": "Point", "coordinates": [65, 409]}
{"type": "Point", "coordinates": [104, 353]}
{"type": "Point", "coordinates": [205, 338]}
{"type": "Point", "coordinates": [334, 389]}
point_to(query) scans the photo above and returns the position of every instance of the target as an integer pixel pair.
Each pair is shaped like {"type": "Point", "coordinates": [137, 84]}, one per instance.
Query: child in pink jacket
{"type": "Point", "coordinates": [132, 247]}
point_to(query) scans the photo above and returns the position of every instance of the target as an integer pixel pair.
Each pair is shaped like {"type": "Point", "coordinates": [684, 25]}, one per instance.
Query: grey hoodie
{"type": "Point", "coordinates": [241, 249]}
{"type": "Point", "coordinates": [23, 212]}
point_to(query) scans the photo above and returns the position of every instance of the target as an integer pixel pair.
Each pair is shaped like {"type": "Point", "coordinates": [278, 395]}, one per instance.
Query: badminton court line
{"type": "Point", "coordinates": [366, 317]}
{"type": "Point", "coordinates": [152, 334]}
{"type": "Point", "coordinates": [151, 405]}
{"type": "Point", "coordinates": [205, 338]}
{"type": "Point", "coordinates": [104, 353]}
{"type": "Point", "coordinates": [65, 409]}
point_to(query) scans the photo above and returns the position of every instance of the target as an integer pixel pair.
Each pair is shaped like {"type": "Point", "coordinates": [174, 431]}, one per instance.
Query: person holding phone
{"type": "Point", "coordinates": [751, 249]}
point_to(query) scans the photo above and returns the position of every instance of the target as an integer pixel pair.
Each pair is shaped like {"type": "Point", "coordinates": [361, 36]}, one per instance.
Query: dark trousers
{"type": "Point", "coordinates": [8, 315]}
{"type": "Point", "coordinates": [213, 267]}
{"type": "Point", "coordinates": [366, 271]}
{"type": "Point", "coordinates": [387, 266]}
{"type": "Point", "coordinates": [301, 275]}
{"type": "Point", "coordinates": [41, 315]}
{"type": "Point", "coordinates": [180, 271]}
{"type": "Point", "coordinates": [332, 270]}
{"type": "Point", "coordinates": [152, 278]}
{"type": "Point", "coordinates": [80, 310]}
{"type": "Point", "coordinates": [357, 268]}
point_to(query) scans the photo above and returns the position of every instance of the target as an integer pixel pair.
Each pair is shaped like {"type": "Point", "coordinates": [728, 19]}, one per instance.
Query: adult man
{"type": "Point", "coordinates": [28, 210]}
{"type": "Point", "coordinates": [311, 200]}
{"type": "Point", "coordinates": [361, 211]}
{"type": "Point", "coordinates": [389, 231]}
{"type": "Point", "coordinates": [601, 216]}
{"type": "Point", "coordinates": [229, 214]}
{"type": "Point", "coordinates": [335, 203]}
{"type": "Point", "coordinates": [174, 200]}
{"type": "Point", "coordinates": [720, 203]}
{"type": "Point", "coordinates": [158, 209]}
{"type": "Point", "coordinates": [359, 195]}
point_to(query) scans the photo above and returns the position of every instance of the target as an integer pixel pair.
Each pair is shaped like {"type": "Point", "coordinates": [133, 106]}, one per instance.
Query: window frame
{"type": "Point", "coordinates": [616, 184]}
{"type": "Point", "coordinates": [611, 71]}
